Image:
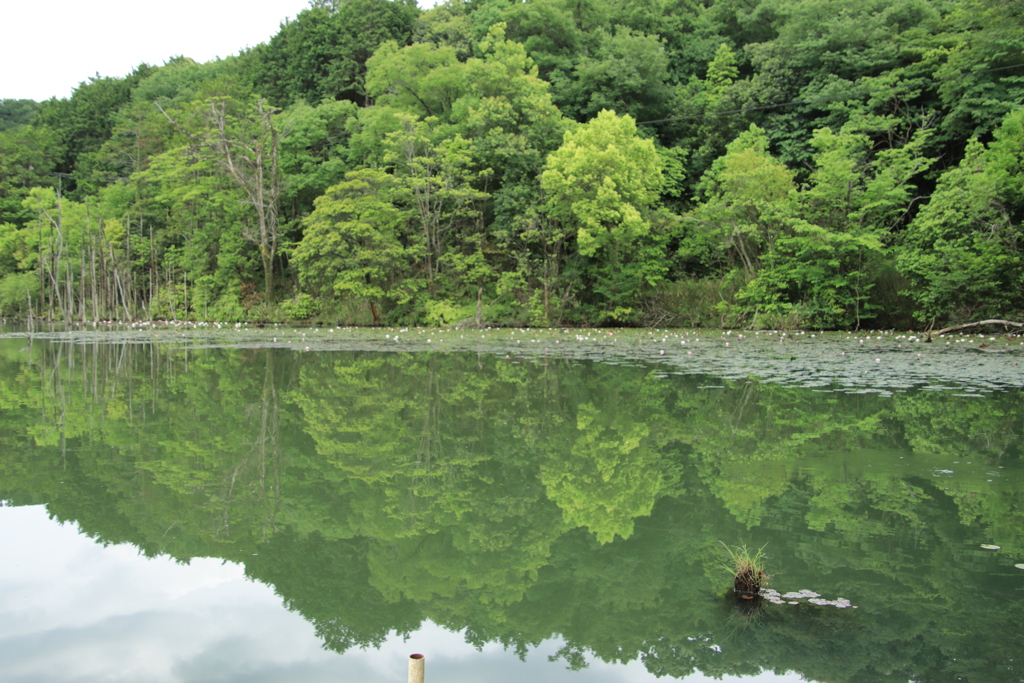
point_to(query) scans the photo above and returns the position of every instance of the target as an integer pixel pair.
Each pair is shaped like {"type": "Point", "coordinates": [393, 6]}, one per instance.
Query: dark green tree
{"type": "Point", "coordinates": [322, 54]}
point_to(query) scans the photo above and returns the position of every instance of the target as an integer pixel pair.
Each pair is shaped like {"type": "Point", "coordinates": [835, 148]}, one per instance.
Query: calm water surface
{"type": "Point", "coordinates": [279, 505]}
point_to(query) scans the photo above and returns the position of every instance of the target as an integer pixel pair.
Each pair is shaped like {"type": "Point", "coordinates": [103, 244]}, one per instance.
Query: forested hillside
{"type": "Point", "coordinates": [764, 163]}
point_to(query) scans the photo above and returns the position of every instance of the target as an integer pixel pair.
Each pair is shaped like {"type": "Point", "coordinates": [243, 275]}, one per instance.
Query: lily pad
{"type": "Point", "coordinates": [794, 598]}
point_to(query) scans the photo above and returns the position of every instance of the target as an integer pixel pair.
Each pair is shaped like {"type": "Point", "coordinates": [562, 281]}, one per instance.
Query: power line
{"type": "Point", "coordinates": [837, 98]}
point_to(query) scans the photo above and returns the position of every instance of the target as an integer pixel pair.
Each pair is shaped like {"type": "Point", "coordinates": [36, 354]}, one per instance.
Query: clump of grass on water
{"type": "Point", "coordinates": [747, 566]}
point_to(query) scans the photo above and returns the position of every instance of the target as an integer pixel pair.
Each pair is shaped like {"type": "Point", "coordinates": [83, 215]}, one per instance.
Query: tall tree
{"type": "Point", "coordinates": [603, 182]}
{"type": "Point", "coordinates": [240, 136]}
{"type": "Point", "coordinates": [352, 243]}
{"type": "Point", "coordinates": [963, 252]}
{"type": "Point", "coordinates": [440, 181]}
{"type": "Point", "coordinates": [750, 198]}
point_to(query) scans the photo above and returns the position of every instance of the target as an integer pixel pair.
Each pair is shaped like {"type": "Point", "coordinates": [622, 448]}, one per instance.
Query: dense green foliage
{"type": "Point", "coordinates": [525, 501]}
{"type": "Point", "coordinates": [17, 113]}
{"type": "Point", "coordinates": [776, 163]}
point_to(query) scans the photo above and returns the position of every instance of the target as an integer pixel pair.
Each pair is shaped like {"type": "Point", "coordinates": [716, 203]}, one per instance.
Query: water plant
{"type": "Point", "coordinates": [747, 567]}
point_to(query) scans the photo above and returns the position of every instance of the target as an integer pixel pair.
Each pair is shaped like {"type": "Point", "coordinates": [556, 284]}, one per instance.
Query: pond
{"type": "Point", "coordinates": [223, 503]}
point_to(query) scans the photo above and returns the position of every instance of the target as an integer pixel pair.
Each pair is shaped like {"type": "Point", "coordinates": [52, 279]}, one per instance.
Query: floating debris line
{"type": "Point", "coordinates": [882, 363]}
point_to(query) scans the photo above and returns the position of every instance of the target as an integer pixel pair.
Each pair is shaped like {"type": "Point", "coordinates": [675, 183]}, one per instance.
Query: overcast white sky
{"type": "Point", "coordinates": [49, 47]}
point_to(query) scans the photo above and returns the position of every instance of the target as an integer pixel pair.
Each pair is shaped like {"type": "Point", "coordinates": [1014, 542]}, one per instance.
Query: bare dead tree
{"type": "Point", "coordinates": [245, 145]}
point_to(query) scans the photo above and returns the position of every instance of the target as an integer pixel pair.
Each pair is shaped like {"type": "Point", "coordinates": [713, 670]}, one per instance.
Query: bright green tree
{"type": "Point", "coordinates": [750, 202]}
{"type": "Point", "coordinates": [603, 182]}
{"type": "Point", "coordinates": [352, 243]}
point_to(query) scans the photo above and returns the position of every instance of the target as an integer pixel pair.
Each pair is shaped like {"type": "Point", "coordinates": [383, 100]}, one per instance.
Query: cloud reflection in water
{"type": "Point", "coordinates": [73, 610]}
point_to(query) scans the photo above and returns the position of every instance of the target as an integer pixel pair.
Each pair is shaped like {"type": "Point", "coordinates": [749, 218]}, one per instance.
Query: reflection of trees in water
{"type": "Point", "coordinates": [263, 454]}
{"type": "Point", "coordinates": [188, 445]}
{"type": "Point", "coordinates": [609, 477]}
{"type": "Point", "coordinates": [374, 491]}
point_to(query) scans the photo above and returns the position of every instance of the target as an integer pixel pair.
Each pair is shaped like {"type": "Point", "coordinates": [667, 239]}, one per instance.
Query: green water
{"type": "Point", "coordinates": [522, 488]}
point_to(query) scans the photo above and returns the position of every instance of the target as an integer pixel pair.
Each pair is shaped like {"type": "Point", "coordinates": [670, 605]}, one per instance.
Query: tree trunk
{"type": "Point", "coordinates": [980, 323]}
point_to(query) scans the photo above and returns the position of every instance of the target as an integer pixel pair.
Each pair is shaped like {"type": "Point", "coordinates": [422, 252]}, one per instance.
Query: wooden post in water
{"type": "Point", "coordinates": [416, 668]}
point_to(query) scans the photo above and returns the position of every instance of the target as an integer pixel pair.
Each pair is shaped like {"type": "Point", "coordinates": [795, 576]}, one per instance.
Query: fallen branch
{"type": "Point", "coordinates": [954, 328]}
